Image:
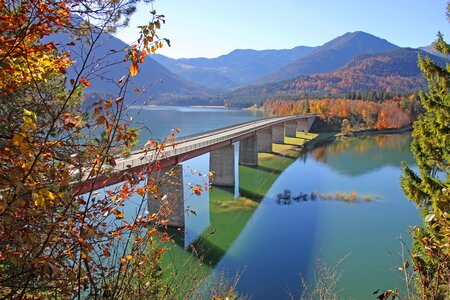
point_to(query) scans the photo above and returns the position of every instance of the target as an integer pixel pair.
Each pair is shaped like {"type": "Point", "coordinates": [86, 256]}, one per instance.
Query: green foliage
{"type": "Point", "coordinates": [430, 187]}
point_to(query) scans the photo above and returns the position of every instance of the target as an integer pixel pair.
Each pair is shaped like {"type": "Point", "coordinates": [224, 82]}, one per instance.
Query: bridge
{"type": "Point", "coordinates": [255, 136]}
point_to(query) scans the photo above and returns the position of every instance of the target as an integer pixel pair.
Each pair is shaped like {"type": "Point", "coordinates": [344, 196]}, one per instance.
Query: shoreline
{"type": "Point", "coordinates": [329, 136]}
{"type": "Point", "coordinates": [209, 106]}
{"type": "Point", "coordinates": [376, 131]}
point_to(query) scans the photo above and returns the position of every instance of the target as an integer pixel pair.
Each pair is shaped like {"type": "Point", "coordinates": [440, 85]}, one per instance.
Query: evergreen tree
{"type": "Point", "coordinates": [430, 187]}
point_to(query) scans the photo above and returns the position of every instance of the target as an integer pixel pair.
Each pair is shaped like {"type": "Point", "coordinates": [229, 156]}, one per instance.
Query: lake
{"type": "Point", "coordinates": [264, 230]}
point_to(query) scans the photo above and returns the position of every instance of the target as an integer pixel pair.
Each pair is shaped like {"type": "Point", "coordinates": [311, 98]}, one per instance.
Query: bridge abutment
{"type": "Point", "coordinates": [168, 202]}
{"type": "Point", "coordinates": [221, 163]}
{"type": "Point", "coordinates": [248, 151]}
{"type": "Point", "coordinates": [290, 129]}
{"type": "Point", "coordinates": [264, 140]}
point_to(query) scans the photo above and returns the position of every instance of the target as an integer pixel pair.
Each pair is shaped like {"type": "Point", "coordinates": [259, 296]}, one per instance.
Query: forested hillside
{"type": "Point", "coordinates": [371, 77]}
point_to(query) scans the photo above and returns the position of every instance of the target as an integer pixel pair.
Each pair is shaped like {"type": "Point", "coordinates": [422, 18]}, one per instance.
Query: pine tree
{"type": "Point", "coordinates": [430, 187]}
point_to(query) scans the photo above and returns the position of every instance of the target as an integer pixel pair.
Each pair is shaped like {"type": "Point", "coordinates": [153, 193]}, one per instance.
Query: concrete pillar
{"type": "Point", "coordinates": [221, 162]}
{"type": "Point", "coordinates": [290, 129]}
{"type": "Point", "coordinates": [168, 201]}
{"type": "Point", "coordinates": [302, 125]}
{"type": "Point", "coordinates": [311, 122]}
{"type": "Point", "coordinates": [278, 134]}
{"type": "Point", "coordinates": [264, 140]}
{"type": "Point", "coordinates": [248, 151]}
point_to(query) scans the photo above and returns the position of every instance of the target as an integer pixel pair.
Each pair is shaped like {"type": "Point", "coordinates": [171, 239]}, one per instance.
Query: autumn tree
{"type": "Point", "coordinates": [55, 243]}
{"type": "Point", "coordinates": [429, 188]}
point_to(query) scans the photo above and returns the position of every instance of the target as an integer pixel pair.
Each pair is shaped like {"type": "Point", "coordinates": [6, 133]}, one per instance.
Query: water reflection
{"type": "Point", "coordinates": [358, 156]}
{"type": "Point", "coordinates": [288, 211]}
{"type": "Point", "coordinates": [287, 198]}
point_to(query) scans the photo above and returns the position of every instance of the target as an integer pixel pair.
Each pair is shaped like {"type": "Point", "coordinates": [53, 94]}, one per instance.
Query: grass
{"type": "Point", "coordinates": [236, 204]}
{"type": "Point", "coordinates": [293, 145]}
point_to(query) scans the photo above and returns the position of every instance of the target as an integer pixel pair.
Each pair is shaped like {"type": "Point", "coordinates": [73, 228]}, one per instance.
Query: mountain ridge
{"type": "Point", "coordinates": [235, 69]}
{"type": "Point", "coordinates": [331, 56]}
{"type": "Point", "coordinates": [376, 75]}
{"type": "Point", "coordinates": [105, 66]}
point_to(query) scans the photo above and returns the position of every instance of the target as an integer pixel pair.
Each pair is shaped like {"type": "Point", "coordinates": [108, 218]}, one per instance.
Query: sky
{"type": "Point", "coordinates": [210, 28]}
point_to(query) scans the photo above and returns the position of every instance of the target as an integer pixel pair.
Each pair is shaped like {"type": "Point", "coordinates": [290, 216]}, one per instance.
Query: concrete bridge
{"type": "Point", "coordinates": [256, 136]}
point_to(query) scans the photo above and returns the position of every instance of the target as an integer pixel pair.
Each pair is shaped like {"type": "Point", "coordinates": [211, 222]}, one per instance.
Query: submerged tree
{"type": "Point", "coordinates": [430, 187]}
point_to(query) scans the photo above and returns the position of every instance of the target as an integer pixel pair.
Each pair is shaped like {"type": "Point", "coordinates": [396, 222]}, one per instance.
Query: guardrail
{"type": "Point", "coordinates": [235, 131]}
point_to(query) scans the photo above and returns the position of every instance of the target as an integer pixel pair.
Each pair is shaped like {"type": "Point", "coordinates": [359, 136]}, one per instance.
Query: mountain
{"type": "Point", "coordinates": [374, 75]}
{"type": "Point", "coordinates": [105, 66]}
{"type": "Point", "coordinates": [430, 49]}
{"type": "Point", "coordinates": [235, 69]}
{"type": "Point", "coordinates": [331, 56]}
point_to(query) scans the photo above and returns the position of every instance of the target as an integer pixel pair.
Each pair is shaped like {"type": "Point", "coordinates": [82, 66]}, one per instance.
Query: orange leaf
{"type": "Point", "coordinates": [84, 81]}
{"type": "Point", "coordinates": [101, 120]}
{"type": "Point", "coordinates": [134, 69]}
{"type": "Point", "coordinates": [151, 231]}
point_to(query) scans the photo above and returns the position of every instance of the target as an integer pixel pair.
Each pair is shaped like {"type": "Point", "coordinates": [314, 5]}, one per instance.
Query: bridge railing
{"type": "Point", "coordinates": [152, 155]}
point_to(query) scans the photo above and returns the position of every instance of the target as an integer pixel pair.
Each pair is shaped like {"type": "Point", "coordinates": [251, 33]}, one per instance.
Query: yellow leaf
{"type": "Point", "coordinates": [48, 194]}
{"type": "Point", "coordinates": [134, 69]}
{"type": "Point", "coordinates": [129, 257]}
{"type": "Point", "coordinates": [29, 119]}
{"type": "Point", "coordinates": [39, 200]}
{"type": "Point", "coordinates": [28, 113]}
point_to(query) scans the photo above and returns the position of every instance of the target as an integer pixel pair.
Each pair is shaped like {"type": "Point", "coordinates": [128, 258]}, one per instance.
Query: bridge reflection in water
{"type": "Point", "coordinates": [253, 137]}
{"type": "Point", "coordinates": [222, 214]}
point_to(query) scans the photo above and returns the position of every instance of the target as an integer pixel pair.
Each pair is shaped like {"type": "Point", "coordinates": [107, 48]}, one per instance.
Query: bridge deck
{"type": "Point", "coordinates": [185, 148]}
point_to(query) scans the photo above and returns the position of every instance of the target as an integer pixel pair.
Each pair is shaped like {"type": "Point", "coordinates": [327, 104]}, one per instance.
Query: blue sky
{"type": "Point", "coordinates": [209, 28]}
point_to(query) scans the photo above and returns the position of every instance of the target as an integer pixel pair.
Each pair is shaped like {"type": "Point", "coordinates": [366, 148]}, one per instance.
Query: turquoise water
{"type": "Point", "coordinates": [273, 243]}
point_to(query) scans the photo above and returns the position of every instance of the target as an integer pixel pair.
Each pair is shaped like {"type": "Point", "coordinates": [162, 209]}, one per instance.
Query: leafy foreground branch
{"type": "Point", "coordinates": [55, 243]}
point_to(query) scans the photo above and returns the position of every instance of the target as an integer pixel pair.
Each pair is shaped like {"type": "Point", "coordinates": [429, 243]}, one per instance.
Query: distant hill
{"type": "Point", "coordinates": [236, 69]}
{"type": "Point", "coordinates": [395, 72]}
{"type": "Point", "coordinates": [105, 67]}
{"type": "Point", "coordinates": [331, 56]}
{"type": "Point", "coordinates": [430, 49]}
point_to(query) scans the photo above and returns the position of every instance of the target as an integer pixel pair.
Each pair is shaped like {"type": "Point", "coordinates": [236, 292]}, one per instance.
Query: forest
{"type": "Point", "coordinates": [352, 115]}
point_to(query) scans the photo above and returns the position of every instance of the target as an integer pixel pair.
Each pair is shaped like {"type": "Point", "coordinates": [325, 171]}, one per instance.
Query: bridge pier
{"type": "Point", "coordinates": [169, 200]}
{"type": "Point", "coordinates": [290, 129]}
{"type": "Point", "coordinates": [248, 151]}
{"type": "Point", "coordinates": [221, 162]}
{"type": "Point", "coordinates": [305, 125]}
{"type": "Point", "coordinates": [278, 134]}
{"type": "Point", "coordinates": [264, 140]}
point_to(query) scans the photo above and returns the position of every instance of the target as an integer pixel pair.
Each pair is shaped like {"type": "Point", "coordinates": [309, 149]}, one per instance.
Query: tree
{"type": "Point", "coordinates": [55, 243]}
{"type": "Point", "coordinates": [430, 187]}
